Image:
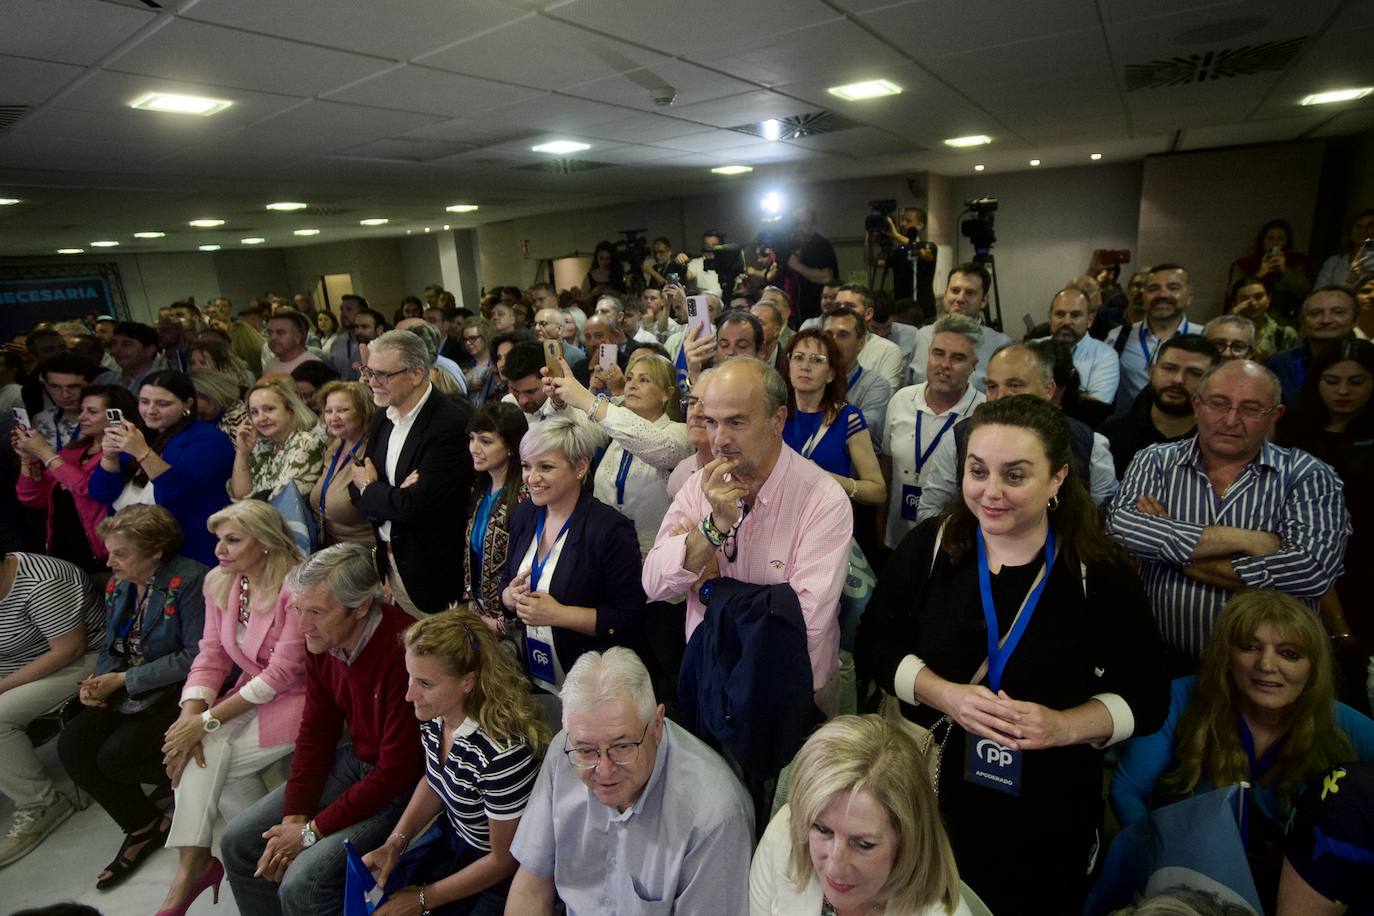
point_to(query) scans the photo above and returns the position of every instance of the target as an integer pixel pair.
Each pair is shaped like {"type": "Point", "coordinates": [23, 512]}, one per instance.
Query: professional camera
{"type": "Point", "coordinates": [978, 227]}
{"type": "Point", "coordinates": [876, 222]}
{"type": "Point", "coordinates": [632, 251]}
{"type": "Point", "coordinates": [726, 260]}
{"type": "Point", "coordinates": [775, 235]}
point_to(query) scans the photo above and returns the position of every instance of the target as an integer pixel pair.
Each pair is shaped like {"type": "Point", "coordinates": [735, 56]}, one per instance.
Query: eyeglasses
{"type": "Point", "coordinates": [1223, 407]}
{"type": "Point", "coordinates": [815, 359]}
{"type": "Point", "coordinates": [623, 754]}
{"type": "Point", "coordinates": [368, 375]}
{"type": "Point", "coordinates": [1231, 346]}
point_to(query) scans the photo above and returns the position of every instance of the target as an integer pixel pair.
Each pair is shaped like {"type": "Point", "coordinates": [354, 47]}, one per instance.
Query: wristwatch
{"type": "Point", "coordinates": [210, 722]}
{"type": "Point", "coordinates": [308, 835]}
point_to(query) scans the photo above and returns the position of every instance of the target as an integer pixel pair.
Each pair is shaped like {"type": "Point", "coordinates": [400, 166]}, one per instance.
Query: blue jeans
{"type": "Point", "coordinates": [314, 882]}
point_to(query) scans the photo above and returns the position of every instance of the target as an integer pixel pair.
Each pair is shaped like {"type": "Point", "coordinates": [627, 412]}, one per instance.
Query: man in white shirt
{"type": "Point", "coordinates": [879, 355]}
{"type": "Point", "coordinates": [919, 417]}
{"type": "Point", "coordinates": [1167, 297]}
{"type": "Point", "coordinates": [698, 273]}
{"type": "Point", "coordinates": [966, 293]}
{"type": "Point", "coordinates": [1099, 370]}
{"type": "Point", "coordinates": [903, 335]}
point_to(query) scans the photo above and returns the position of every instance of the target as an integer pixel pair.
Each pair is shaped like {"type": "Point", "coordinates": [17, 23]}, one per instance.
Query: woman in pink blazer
{"type": "Point", "coordinates": [248, 622]}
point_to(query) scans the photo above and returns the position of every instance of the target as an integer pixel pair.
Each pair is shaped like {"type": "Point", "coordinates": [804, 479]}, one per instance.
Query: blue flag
{"type": "Point", "coordinates": [361, 893]}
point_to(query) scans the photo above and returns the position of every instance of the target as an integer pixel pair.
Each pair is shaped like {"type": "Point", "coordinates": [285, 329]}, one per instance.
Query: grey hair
{"type": "Point", "coordinates": [1043, 356]}
{"type": "Point", "coordinates": [347, 569]}
{"type": "Point", "coordinates": [1238, 321]}
{"type": "Point", "coordinates": [598, 678]}
{"type": "Point", "coordinates": [954, 323]}
{"type": "Point", "coordinates": [407, 345]}
{"type": "Point", "coordinates": [219, 388]}
{"type": "Point", "coordinates": [1251, 368]}
{"type": "Point", "coordinates": [430, 335]}
{"type": "Point", "coordinates": [615, 303]}
{"type": "Point", "coordinates": [574, 438]}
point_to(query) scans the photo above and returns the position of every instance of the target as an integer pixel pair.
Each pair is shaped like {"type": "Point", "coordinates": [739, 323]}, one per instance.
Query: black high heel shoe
{"type": "Point", "coordinates": [152, 837]}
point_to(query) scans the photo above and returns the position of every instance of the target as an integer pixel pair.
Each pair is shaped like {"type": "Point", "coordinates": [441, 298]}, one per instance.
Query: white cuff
{"type": "Point", "coordinates": [1123, 720]}
{"type": "Point", "coordinates": [257, 691]}
{"type": "Point", "coordinates": [198, 693]}
{"type": "Point", "coordinates": [904, 682]}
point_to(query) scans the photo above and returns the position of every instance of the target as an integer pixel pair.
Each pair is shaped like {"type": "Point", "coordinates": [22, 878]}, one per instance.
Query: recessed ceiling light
{"type": "Point", "coordinates": [306, 232]}
{"type": "Point", "coordinates": [1035, 162]}
{"type": "Point", "coordinates": [975, 140]}
{"type": "Point", "coordinates": [732, 169]}
{"type": "Point", "coordinates": [255, 240]}
{"type": "Point", "coordinates": [426, 228]}
{"type": "Point", "coordinates": [71, 251]}
{"type": "Point", "coordinates": [207, 223]}
{"type": "Point", "coordinates": [979, 167]}
{"type": "Point", "coordinates": [105, 243]}
{"type": "Point", "coordinates": [209, 248]}
{"type": "Point", "coordinates": [771, 129]}
{"type": "Point", "coordinates": [446, 227]}
{"type": "Point", "coordinates": [180, 104]}
{"type": "Point", "coordinates": [560, 147]}
{"type": "Point", "coordinates": [287, 205]}
{"type": "Point", "coordinates": [150, 235]}
{"type": "Point", "coordinates": [8, 201]}
{"type": "Point", "coordinates": [1338, 95]}
{"type": "Point", "coordinates": [870, 89]}
{"type": "Point", "coordinates": [374, 221]}
{"type": "Point", "coordinates": [1095, 156]}
{"type": "Point", "coordinates": [461, 208]}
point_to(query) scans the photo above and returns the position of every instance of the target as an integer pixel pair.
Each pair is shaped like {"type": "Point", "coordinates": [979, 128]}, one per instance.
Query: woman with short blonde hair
{"type": "Point", "coordinates": [347, 414]}
{"type": "Point", "coordinates": [276, 445]}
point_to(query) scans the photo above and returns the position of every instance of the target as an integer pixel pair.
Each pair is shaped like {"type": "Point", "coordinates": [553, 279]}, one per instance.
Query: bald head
{"type": "Point", "coordinates": [1255, 378]}
{"type": "Point", "coordinates": [548, 324]}
{"type": "Point", "coordinates": [409, 324]}
{"type": "Point", "coordinates": [1019, 369]}
{"type": "Point", "coordinates": [598, 331]}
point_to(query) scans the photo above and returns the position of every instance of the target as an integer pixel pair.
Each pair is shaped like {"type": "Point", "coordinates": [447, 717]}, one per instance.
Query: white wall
{"type": "Point", "coordinates": [420, 261]}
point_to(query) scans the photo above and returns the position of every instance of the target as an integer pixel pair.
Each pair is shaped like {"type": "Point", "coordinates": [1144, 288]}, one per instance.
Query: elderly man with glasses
{"type": "Point", "coordinates": [1228, 511]}
{"type": "Point", "coordinates": [630, 813]}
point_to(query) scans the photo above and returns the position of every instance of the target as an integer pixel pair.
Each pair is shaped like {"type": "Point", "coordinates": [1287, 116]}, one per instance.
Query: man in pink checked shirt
{"type": "Point", "coordinates": [759, 513]}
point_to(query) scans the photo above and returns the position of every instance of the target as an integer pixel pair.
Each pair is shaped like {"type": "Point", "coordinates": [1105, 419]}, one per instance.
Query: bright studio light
{"type": "Point", "coordinates": [171, 103]}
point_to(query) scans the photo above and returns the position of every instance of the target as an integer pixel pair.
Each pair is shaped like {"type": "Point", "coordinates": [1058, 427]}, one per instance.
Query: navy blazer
{"type": "Point", "coordinates": [170, 640]}
{"type": "Point", "coordinates": [424, 516]}
{"type": "Point", "coordinates": [598, 568]}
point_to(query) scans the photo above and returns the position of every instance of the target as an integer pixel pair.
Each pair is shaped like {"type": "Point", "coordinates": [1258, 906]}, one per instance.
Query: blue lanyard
{"type": "Point", "coordinates": [923, 457]}
{"type": "Point", "coordinates": [536, 564]}
{"type": "Point", "coordinates": [1145, 351]}
{"type": "Point", "coordinates": [621, 476]}
{"type": "Point", "coordinates": [855, 377]}
{"type": "Point", "coordinates": [479, 530]}
{"type": "Point", "coordinates": [999, 655]}
{"type": "Point", "coordinates": [333, 465]}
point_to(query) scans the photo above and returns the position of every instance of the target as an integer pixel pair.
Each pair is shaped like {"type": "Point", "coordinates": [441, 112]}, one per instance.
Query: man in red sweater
{"type": "Point", "coordinates": [285, 854]}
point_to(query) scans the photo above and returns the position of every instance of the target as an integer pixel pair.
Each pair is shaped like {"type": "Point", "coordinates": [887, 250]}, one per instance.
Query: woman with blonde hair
{"type": "Point", "coordinates": [249, 623]}
{"type": "Point", "coordinates": [483, 739]}
{"type": "Point", "coordinates": [208, 354]}
{"type": "Point", "coordinates": [219, 400]}
{"type": "Point", "coordinates": [276, 445]}
{"type": "Point", "coordinates": [860, 833]}
{"type": "Point", "coordinates": [347, 417]}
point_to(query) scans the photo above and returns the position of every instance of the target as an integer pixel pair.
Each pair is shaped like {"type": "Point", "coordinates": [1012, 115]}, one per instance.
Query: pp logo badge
{"type": "Point", "coordinates": [992, 765]}
{"type": "Point", "coordinates": [991, 752]}
{"type": "Point", "coordinates": [911, 499]}
{"type": "Point", "coordinates": [541, 657]}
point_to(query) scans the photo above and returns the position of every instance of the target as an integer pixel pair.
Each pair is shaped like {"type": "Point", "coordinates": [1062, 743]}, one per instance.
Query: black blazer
{"type": "Point", "coordinates": [598, 568]}
{"type": "Point", "coordinates": [422, 516]}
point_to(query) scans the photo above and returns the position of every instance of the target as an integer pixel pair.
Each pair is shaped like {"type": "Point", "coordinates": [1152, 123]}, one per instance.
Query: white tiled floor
{"type": "Point", "coordinates": [65, 865]}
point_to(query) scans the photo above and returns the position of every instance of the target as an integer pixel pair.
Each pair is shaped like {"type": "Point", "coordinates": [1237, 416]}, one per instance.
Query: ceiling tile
{"type": "Point", "coordinates": [335, 124]}
{"type": "Point", "coordinates": [186, 50]}
{"type": "Point", "coordinates": [1273, 131]}
{"type": "Point", "coordinates": [1332, 61]}
{"type": "Point", "coordinates": [432, 91]}
{"type": "Point", "coordinates": [634, 89]}
{"type": "Point", "coordinates": [711, 141]}
{"type": "Point", "coordinates": [30, 82]}
{"type": "Point", "coordinates": [711, 23]}
{"type": "Point", "coordinates": [105, 90]}
{"type": "Point", "coordinates": [405, 150]}
{"type": "Point", "coordinates": [934, 27]}
{"type": "Point", "coordinates": [71, 31]}
{"type": "Point", "coordinates": [1167, 37]}
{"type": "Point", "coordinates": [834, 52]}
{"type": "Point", "coordinates": [645, 128]}
{"type": "Point", "coordinates": [859, 142]}
{"type": "Point", "coordinates": [541, 52]}
{"type": "Point", "coordinates": [369, 28]}
{"type": "Point", "coordinates": [549, 112]}
{"type": "Point", "coordinates": [746, 108]}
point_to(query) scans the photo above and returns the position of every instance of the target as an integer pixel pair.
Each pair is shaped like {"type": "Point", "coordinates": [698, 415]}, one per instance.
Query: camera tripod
{"type": "Point", "coordinates": [993, 307]}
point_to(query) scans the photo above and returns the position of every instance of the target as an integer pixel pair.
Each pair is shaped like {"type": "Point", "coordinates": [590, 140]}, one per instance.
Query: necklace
{"type": "Point", "coordinates": [244, 610]}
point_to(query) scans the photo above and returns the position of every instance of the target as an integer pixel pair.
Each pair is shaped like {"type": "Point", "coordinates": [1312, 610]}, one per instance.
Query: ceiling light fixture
{"type": "Point", "coordinates": [105, 243]}
{"type": "Point", "coordinates": [771, 202]}
{"type": "Point", "coordinates": [974, 140]}
{"type": "Point", "coordinates": [287, 205]}
{"type": "Point", "coordinates": [560, 147]}
{"type": "Point", "coordinates": [150, 235]}
{"type": "Point", "coordinates": [374, 221]}
{"type": "Point", "coordinates": [461, 208]}
{"type": "Point", "coordinates": [207, 223]}
{"type": "Point", "coordinates": [771, 129]}
{"type": "Point", "coordinates": [979, 167]}
{"type": "Point", "coordinates": [180, 104]}
{"type": "Point", "coordinates": [306, 232]}
{"type": "Point", "coordinates": [71, 251]}
{"type": "Point", "coordinates": [426, 228]}
{"type": "Point", "coordinates": [1035, 162]}
{"type": "Point", "coordinates": [255, 240]}
{"type": "Point", "coordinates": [869, 89]}
{"type": "Point", "coordinates": [446, 227]}
{"type": "Point", "coordinates": [209, 248]}
{"type": "Point", "coordinates": [732, 169]}
{"type": "Point", "coordinates": [1095, 156]}
{"type": "Point", "coordinates": [1337, 95]}
{"type": "Point", "coordinates": [8, 201]}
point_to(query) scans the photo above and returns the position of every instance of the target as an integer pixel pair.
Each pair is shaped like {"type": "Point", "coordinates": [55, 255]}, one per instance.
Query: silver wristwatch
{"type": "Point", "coordinates": [308, 835]}
{"type": "Point", "coordinates": [210, 722]}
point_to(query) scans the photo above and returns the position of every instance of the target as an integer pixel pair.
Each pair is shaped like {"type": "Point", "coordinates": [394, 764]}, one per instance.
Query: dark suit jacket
{"type": "Point", "coordinates": [598, 568]}
{"type": "Point", "coordinates": [425, 518]}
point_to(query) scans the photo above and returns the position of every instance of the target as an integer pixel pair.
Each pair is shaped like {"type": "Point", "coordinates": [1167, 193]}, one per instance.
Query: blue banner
{"type": "Point", "coordinates": [63, 295]}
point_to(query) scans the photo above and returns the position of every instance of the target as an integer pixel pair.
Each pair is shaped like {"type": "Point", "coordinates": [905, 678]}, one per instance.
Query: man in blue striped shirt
{"type": "Point", "coordinates": [1229, 511]}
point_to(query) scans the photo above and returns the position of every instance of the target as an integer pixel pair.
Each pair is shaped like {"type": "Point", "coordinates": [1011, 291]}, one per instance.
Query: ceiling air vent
{"type": "Point", "coordinates": [10, 114]}
{"type": "Point", "coordinates": [796, 126]}
{"type": "Point", "coordinates": [565, 166]}
{"type": "Point", "coordinates": [1210, 66]}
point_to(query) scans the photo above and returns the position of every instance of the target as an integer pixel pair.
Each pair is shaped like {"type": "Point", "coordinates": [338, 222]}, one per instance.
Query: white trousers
{"type": "Point", "coordinates": [231, 752]}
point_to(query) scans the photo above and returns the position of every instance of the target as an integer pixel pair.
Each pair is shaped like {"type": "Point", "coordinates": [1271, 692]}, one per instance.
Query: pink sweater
{"type": "Point", "coordinates": [75, 477]}
{"type": "Point", "coordinates": [272, 648]}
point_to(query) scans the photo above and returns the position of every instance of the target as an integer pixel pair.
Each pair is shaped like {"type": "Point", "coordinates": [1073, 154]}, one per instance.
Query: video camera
{"type": "Point", "coordinates": [775, 235]}
{"type": "Point", "coordinates": [876, 222]}
{"type": "Point", "coordinates": [632, 251]}
{"type": "Point", "coordinates": [978, 227]}
{"type": "Point", "coordinates": [727, 260]}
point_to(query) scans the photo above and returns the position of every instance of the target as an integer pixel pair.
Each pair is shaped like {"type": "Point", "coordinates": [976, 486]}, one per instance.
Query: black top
{"type": "Point", "coordinates": [1130, 432]}
{"type": "Point", "coordinates": [817, 253]}
{"type": "Point", "coordinates": [1331, 844]}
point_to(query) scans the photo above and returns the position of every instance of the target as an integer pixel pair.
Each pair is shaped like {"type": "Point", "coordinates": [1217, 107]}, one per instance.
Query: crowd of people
{"type": "Point", "coordinates": [823, 604]}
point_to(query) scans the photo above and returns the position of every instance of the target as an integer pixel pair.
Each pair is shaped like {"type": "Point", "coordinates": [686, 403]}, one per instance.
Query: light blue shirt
{"type": "Point", "coordinates": [1099, 370]}
{"type": "Point", "coordinates": [456, 373]}
{"type": "Point", "coordinates": [1138, 355]}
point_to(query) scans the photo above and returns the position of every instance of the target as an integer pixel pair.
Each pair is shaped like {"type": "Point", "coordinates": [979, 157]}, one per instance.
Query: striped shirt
{"type": "Point", "coordinates": [49, 598]}
{"type": "Point", "coordinates": [1284, 491]}
{"type": "Point", "coordinates": [480, 781]}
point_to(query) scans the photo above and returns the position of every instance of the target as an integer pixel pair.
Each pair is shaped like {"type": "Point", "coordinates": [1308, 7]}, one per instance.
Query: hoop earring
{"type": "Point", "coordinates": [1054, 502]}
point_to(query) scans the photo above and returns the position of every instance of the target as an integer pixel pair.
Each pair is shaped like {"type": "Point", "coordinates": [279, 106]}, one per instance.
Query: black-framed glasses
{"type": "Point", "coordinates": [622, 754]}
{"type": "Point", "coordinates": [368, 375]}
{"type": "Point", "coordinates": [1231, 346]}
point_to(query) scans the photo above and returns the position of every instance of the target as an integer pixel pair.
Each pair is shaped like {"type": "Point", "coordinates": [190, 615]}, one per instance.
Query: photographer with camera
{"type": "Point", "coordinates": [701, 270]}
{"type": "Point", "coordinates": [911, 260]}
{"type": "Point", "coordinates": [809, 263]}
{"type": "Point", "coordinates": [663, 267]}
